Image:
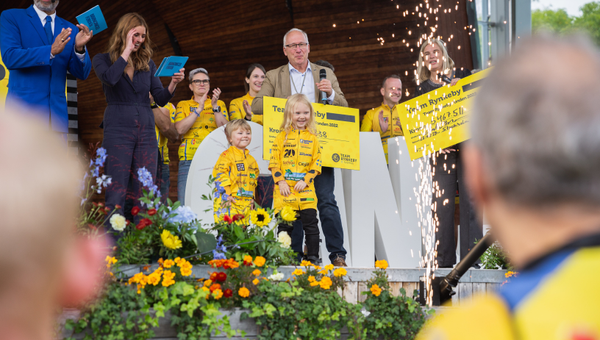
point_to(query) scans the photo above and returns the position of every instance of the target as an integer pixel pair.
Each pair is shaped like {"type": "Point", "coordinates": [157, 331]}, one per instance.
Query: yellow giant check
{"type": "Point", "coordinates": [338, 132]}
{"type": "Point", "coordinates": [440, 118]}
{"type": "Point", "coordinates": [3, 83]}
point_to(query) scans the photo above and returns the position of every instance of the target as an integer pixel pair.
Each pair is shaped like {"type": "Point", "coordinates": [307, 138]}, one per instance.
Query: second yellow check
{"type": "Point", "coordinates": [338, 132]}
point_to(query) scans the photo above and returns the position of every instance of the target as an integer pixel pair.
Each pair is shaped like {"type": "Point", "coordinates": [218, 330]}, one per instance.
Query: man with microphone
{"type": "Point", "coordinates": [39, 48]}
{"type": "Point", "coordinates": [300, 76]}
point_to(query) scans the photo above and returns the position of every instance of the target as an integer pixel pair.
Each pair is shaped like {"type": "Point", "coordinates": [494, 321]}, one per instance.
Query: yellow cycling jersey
{"type": "Point", "coordinates": [203, 126]}
{"type": "Point", "coordinates": [237, 172]}
{"type": "Point", "coordinates": [539, 303]}
{"type": "Point", "coordinates": [162, 140]}
{"type": "Point", "coordinates": [295, 157]}
{"type": "Point", "coordinates": [236, 109]}
{"type": "Point", "coordinates": [371, 123]}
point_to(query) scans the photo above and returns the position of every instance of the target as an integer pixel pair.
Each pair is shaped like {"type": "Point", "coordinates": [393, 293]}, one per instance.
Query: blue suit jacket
{"type": "Point", "coordinates": [35, 79]}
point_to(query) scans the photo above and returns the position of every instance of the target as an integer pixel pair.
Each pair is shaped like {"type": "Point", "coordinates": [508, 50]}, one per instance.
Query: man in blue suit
{"type": "Point", "coordinates": [39, 48]}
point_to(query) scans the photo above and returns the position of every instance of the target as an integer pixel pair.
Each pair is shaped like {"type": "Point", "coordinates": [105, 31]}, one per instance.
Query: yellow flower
{"type": "Point", "coordinates": [329, 267]}
{"type": "Point", "coordinates": [375, 290]}
{"type": "Point", "coordinates": [168, 278]}
{"type": "Point", "coordinates": [298, 272]}
{"type": "Point", "coordinates": [259, 261]}
{"type": "Point", "coordinates": [260, 217]}
{"type": "Point", "coordinates": [154, 278]}
{"type": "Point", "coordinates": [256, 272]}
{"type": "Point", "coordinates": [340, 272]}
{"type": "Point", "coordinates": [381, 264]}
{"type": "Point", "coordinates": [110, 261]}
{"type": "Point", "coordinates": [288, 214]}
{"type": "Point", "coordinates": [207, 283]}
{"type": "Point", "coordinates": [314, 283]}
{"type": "Point", "coordinates": [169, 240]}
{"type": "Point", "coordinates": [311, 279]}
{"type": "Point", "coordinates": [168, 263]}
{"type": "Point", "coordinates": [244, 292]}
{"type": "Point", "coordinates": [326, 282]}
{"type": "Point", "coordinates": [324, 272]}
{"type": "Point", "coordinates": [248, 259]}
{"type": "Point", "coordinates": [218, 294]}
{"type": "Point", "coordinates": [305, 263]}
{"type": "Point", "coordinates": [255, 281]}
{"type": "Point", "coordinates": [206, 290]}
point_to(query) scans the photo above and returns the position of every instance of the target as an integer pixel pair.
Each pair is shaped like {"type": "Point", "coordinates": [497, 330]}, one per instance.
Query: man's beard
{"type": "Point", "coordinates": [46, 8]}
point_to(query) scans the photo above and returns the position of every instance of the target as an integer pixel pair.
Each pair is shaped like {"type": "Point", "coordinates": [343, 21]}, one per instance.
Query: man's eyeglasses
{"type": "Point", "coordinates": [294, 46]}
{"type": "Point", "coordinates": [200, 81]}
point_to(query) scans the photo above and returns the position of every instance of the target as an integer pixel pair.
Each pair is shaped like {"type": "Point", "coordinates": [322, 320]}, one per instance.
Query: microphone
{"type": "Point", "coordinates": [445, 79]}
{"type": "Point", "coordinates": [323, 75]}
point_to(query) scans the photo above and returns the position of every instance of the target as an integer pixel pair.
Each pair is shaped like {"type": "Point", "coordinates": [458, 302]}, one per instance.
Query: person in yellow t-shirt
{"type": "Point", "coordinates": [164, 118]}
{"type": "Point", "coordinates": [384, 119]}
{"type": "Point", "coordinates": [235, 173]}
{"type": "Point", "coordinates": [194, 120]}
{"type": "Point", "coordinates": [239, 108]}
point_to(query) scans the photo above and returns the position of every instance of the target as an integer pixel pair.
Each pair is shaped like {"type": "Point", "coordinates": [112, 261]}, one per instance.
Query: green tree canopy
{"type": "Point", "coordinates": [559, 22]}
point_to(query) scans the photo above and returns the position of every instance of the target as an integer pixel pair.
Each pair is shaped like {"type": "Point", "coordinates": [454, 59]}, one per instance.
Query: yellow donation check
{"type": "Point", "coordinates": [338, 132]}
{"type": "Point", "coordinates": [3, 83]}
{"type": "Point", "coordinates": [440, 118]}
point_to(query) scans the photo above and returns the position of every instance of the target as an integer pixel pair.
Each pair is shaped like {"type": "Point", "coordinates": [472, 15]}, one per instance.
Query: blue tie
{"type": "Point", "coordinates": [48, 28]}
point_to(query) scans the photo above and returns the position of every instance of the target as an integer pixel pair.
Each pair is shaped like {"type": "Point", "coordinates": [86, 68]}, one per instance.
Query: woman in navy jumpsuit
{"type": "Point", "coordinates": [127, 76]}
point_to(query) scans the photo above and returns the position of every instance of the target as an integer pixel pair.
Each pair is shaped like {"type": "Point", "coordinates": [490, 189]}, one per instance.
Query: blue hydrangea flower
{"type": "Point", "coordinates": [184, 215]}
{"type": "Point", "coordinates": [220, 247]}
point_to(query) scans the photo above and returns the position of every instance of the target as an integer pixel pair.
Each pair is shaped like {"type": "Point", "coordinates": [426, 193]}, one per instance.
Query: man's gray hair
{"type": "Point", "coordinates": [536, 121]}
{"type": "Point", "coordinates": [196, 71]}
{"type": "Point", "coordinates": [295, 30]}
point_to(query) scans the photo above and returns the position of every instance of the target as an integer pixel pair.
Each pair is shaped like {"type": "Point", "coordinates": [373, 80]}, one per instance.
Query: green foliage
{"type": "Point", "coordinates": [391, 317]}
{"type": "Point", "coordinates": [495, 258]}
{"type": "Point", "coordinates": [559, 22]}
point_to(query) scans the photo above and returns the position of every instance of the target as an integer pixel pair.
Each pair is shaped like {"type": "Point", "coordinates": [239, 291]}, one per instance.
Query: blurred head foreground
{"type": "Point", "coordinates": [38, 247]}
{"type": "Point", "coordinates": [535, 147]}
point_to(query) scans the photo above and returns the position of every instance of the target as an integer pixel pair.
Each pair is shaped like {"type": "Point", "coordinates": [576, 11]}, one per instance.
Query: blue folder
{"type": "Point", "coordinates": [93, 19]}
{"type": "Point", "coordinates": [170, 66]}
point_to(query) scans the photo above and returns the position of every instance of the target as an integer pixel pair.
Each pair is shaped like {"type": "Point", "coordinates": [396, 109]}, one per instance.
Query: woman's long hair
{"type": "Point", "coordinates": [423, 72]}
{"type": "Point", "coordinates": [290, 106]}
{"type": "Point", "coordinates": [116, 45]}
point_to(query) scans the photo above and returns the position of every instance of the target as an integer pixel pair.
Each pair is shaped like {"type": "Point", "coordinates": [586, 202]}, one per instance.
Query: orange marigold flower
{"type": "Point", "coordinates": [168, 263]}
{"type": "Point", "coordinates": [311, 279]}
{"type": "Point", "coordinates": [255, 281]}
{"type": "Point", "coordinates": [298, 272]}
{"type": "Point", "coordinates": [382, 264]}
{"type": "Point", "coordinates": [214, 287]}
{"type": "Point", "coordinates": [375, 290]}
{"type": "Point", "coordinates": [244, 292]}
{"type": "Point", "coordinates": [326, 282]}
{"type": "Point", "coordinates": [259, 261]}
{"type": "Point", "coordinates": [207, 283]}
{"type": "Point", "coordinates": [217, 294]}
{"type": "Point", "coordinates": [256, 272]}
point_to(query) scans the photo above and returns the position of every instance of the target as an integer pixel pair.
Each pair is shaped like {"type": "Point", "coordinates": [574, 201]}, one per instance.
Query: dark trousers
{"type": "Point", "coordinates": [306, 220]}
{"type": "Point", "coordinates": [264, 191]}
{"type": "Point", "coordinates": [449, 178]}
{"type": "Point", "coordinates": [329, 213]}
{"type": "Point", "coordinates": [128, 149]}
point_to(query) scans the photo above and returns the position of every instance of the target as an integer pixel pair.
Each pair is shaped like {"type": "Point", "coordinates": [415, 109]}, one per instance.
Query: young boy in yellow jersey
{"type": "Point", "coordinates": [295, 162]}
{"type": "Point", "coordinates": [236, 173]}
{"type": "Point", "coordinates": [194, 120]}
{"type": "Point", "coordinates": [384, 119]}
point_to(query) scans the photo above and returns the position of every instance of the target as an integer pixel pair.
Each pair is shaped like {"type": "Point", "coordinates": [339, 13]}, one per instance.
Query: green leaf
{"type": "Point", "coordinates": [206, 242]}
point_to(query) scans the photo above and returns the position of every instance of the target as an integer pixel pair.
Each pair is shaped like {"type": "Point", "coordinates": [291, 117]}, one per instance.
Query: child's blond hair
{"type": "Point", "coordinates": [234, 125]}
{"type": "Point", "coordinates": [290, 106]}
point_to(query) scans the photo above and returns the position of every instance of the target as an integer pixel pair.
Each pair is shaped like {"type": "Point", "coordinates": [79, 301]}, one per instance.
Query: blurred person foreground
{"type": "Point", "coordinates": [532, 165]}
{"type": "Point", "coordinates": [46, 265]}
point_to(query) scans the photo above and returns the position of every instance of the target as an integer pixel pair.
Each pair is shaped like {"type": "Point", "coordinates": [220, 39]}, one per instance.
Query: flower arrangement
{"type": "Point", "coordinates": [244, 252]}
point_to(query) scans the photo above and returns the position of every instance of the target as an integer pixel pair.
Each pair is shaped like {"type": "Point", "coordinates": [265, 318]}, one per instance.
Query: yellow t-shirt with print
{"type": "Point", "coordinates": [371, 123]}
{"type": "Point", "coordinates": [236, 109]}
{"type": "Point", "coordinates": [205, 124]}
{"type": "Point", "coordinates": [162, 140]}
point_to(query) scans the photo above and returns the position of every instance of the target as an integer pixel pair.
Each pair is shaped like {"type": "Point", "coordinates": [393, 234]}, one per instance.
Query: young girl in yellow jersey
{"type": "Point", "coordinates": [295, 162]}
{"type": "Point", "coordinates": [235, 173]}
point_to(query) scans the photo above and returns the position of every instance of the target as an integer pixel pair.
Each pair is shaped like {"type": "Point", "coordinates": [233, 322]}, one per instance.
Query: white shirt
{"type": "Point", "coordinates": [43, 16]}
{"type": "Point", "coordinates": [297, 78]}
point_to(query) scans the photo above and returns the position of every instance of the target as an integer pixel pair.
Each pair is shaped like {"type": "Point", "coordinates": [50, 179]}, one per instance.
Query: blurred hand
{"type": "Point", "coordinates": [83, 37]}
{"type": "Point", "coordinates": [382, 123]}
{"type": "Point", "coordinates": [61, 41]}
{"type": "Point", "coordinates": [284, 188]}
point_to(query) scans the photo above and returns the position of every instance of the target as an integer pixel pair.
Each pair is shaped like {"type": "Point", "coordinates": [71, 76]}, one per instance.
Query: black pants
{"type": "Point", "coordinates": [310, 224]}
{"type": "Point", "coordinates": [448, 178]}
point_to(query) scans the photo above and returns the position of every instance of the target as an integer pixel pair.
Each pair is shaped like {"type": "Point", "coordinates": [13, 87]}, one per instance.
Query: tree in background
{"type": "Point", "coordinates": [559, 22]}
